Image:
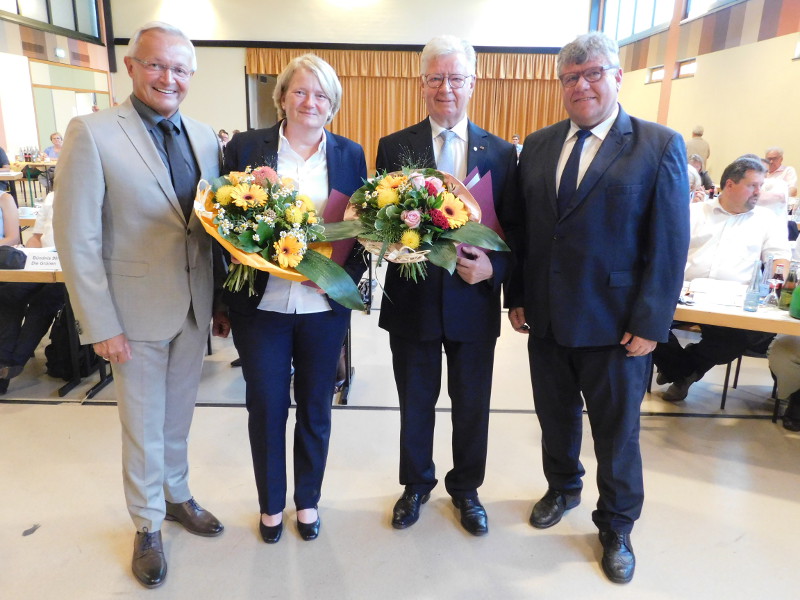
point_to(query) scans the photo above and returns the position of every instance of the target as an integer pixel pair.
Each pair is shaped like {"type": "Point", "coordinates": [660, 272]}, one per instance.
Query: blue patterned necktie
{"type": "Point", "coordinates": [569, 177]}
{"type": "Point", "coordinates": [447, 157]}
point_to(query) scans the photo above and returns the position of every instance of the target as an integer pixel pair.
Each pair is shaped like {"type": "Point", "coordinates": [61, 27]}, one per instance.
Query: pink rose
{"type": "Point", "coordinates": [411, 218]}
{"type": "Point", "coordinates": [434, 185]}
{"type": "Point", "coordinates": [417, 180]}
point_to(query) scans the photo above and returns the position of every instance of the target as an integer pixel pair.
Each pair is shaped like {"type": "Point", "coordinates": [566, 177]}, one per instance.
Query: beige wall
{"type": "Point", "coordinates": [483, 22]}
{"type": "Point", "coordinates": [217, 95]}
{"type": "Point", "coordinates": [746, 98]}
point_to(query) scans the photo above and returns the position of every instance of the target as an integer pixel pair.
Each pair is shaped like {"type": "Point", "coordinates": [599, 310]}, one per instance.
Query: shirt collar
{"type": "Point", "coordinates": [460, 128]}
{"type": "Point", "coordinates": [151, 118]}
{"type": "Point", "coordinates": [716, 207]}
{"type": "Point", "coordinates": [284, 144]}
{"type": "Point", "coordinates": [601, 129]}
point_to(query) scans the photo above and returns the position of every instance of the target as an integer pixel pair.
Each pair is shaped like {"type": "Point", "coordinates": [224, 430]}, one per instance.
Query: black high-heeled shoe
{"type": "Point", "coordinates": [309, 531]}
{"type": "Point", "coordinates": [270, 533]}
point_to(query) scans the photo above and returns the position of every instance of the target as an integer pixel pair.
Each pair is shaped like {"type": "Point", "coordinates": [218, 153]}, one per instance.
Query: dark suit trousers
{"type": "Point", "coordinates": [613, 386]}
{"type": "Point", "coordinates": [718, 346]}
{"type": "Point", "coordinates": [26, 312]}
{"type": "Point", "coordinates": [268, 342]}
{"type": "Point", "coordinates": [418, 375]}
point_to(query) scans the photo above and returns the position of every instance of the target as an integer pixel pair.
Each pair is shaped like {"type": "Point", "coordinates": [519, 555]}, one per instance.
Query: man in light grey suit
{"type": "Point", "coordinates": [137, 264]}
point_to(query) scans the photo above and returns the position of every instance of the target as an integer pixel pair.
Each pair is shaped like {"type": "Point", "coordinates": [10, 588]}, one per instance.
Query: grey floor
{"type": "Point", "coordinates": [721, 517]}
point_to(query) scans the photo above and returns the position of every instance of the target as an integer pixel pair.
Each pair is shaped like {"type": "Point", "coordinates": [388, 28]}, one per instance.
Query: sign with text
{"type": "Point", "coordinates": [42, 260]}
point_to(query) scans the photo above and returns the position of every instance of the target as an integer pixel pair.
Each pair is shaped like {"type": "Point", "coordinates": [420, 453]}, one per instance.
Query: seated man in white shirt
{"type": "Point", "coordinates": [728, 234]}
{"type": "Point", "coordinates": [777, 170]}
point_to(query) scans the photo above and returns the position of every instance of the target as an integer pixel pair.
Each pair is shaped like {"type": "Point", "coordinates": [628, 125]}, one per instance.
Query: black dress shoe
{"type": "Point", "coordinates": [236, 362]}
{"type": "Point", "coordinates": [791, 418]}
{"type": "Point", "coordinates": [308, 531]}
{"type": "Point", "coordinates": [406, 509]}
{"type": "Point", "coordinates": [194, 518]}
{"type": "Point", "coordinates": [270, 533]}
{"type": "Point", "coordinates": [618, 560]}
{"type": "Point", "coordinates": [549, 510]}
{"type": "Point", "coordinates": [149, 565]}
{"type": "Point", "coordinates": [4, 385]}
{"type": "Point", "coordinates": [473, 515]}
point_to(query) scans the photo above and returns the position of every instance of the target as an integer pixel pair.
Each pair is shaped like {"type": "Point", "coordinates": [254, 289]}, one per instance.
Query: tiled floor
{"type": "Point", "coordinates": [721, 518]}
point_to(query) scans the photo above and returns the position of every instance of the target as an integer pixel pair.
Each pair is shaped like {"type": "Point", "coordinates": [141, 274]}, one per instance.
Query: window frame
{"type": "Point", "coordinates": [55, 29]}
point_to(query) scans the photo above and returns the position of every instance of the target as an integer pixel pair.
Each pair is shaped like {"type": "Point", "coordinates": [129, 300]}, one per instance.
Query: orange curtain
{"type": "Point", "coordinates": [515, 93]}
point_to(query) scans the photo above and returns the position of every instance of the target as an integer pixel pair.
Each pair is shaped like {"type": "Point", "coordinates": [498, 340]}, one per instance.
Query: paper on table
{"type": "Point", "coordinates": [715, 291]}
{"type": "Point", "coordinates": [42, 259]}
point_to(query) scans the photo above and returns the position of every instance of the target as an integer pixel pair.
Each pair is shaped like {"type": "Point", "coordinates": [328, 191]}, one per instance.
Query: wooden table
{"type": "Point", "coordinates": [769, 320]}
{"type": "Point", "coordinates": [56, 276]}
{"type": "Point", "coordinates": [11, 177]}
{"type": "Point", "coordinates": [27, 167]}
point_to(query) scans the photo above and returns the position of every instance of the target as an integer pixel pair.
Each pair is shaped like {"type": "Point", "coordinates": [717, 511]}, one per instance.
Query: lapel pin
{"type": "Point", "coordinates": [483, 147]}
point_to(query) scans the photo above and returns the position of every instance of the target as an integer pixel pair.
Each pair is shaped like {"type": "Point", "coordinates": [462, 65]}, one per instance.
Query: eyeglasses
{"type": "Point", "coordinates": [591, 75]}
{"type": "Point", "coordinates": [177, 72]}
{"type": "Point", "coordinates": [436, 80]}
{"type": "Point", "coordinates": [770, 159]}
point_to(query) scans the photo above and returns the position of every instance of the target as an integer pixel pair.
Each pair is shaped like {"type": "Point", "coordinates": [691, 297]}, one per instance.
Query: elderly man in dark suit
{"type": "Point", "coordinates": [600, 253]}
{"type": "Point", "coordinates": [460, 312]}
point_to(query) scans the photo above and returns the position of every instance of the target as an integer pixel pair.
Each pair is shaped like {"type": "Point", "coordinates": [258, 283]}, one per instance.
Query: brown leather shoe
{"type": "Point", "coordinates": [149, 565]}
{"type": "Point", "coordinates": [194, 518]}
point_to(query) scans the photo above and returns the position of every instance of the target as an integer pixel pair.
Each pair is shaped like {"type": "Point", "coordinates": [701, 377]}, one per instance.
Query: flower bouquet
{"type": "Point", "coordinates": [266, 225]}
{"type": "Point", "coordinates": [417, 215]}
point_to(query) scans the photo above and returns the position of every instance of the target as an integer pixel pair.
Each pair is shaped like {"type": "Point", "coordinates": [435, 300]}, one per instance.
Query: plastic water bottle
{"type": "Point", "coordinates": [753, 295]}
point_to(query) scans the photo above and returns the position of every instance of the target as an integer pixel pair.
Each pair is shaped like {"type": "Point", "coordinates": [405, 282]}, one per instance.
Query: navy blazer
{"type": "Point", "coordinates": [444, 305]}
{"type": "Point", "coordinates": [614, 261]}
{"type": "Point", "coordinates": [347, 168]}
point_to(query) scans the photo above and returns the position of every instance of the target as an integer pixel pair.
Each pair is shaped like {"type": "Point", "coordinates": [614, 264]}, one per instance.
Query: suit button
{"type": "Point", "coordinates": [188, 232]}
{"type": "Point", "coordinates": [187, 269]}
{"type": "Point", "coordinates": [555, 237]}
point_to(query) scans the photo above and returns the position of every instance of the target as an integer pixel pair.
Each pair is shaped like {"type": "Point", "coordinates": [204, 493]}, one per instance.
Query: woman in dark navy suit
{"type": "Point", "coordinates": [286, 322]}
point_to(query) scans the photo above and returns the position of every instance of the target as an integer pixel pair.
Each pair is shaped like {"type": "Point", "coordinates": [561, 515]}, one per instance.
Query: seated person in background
{"type": "Point", "coordinates": [728, 234]}
{"type": "Point", "coordinates": [517, 145]}
{"type": "Point", "coordinates": [223, 137]}
{"type": "Point", "coordinates": [696, 191]}
{"type": "Point", "coordinates": [27, 309]}
{"type": "Point", "coordinates": [9, 220]}
{"type": "Point", "coordinates": [4, 166]}
{"type": "Point", "coordinates": [57, 140]}
{"type": "Point", "coordinates": [784, 362]}
{"type": "Point", "coordinates": [774, 194]}
{"type": "Point", "coordinates": [777, 170]}
{"type": "Point", "coordinates": [696, 161]}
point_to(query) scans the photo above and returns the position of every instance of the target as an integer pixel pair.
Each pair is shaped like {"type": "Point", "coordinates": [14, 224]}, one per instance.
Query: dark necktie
{"type": "Point", "coordinates": [569, 177]}
{"type": "Point", "coordinates": [179, 170]}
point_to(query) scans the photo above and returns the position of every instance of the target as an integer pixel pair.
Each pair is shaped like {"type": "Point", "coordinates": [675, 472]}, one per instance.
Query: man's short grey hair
{"type": "Point", "coordinates": [737, 170]}
{"type": "Point", "coordinates": [325, 74]}
{"type": "Point", "coordinates": [443, 45]}
{"type": "Point", "coordinates": [698, 130]}
{"type": "Point", "coordinates": [696, 158]}
{"type": "Point", "coordinates": [777, 149]}
{"type": "Point", "coordinates": [133, 45]}
{"type": "Point", "coordinates": [586, 47]}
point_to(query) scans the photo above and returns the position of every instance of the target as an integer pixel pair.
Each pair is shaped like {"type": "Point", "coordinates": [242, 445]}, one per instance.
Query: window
{"type": "Point", "coordinates": [687, 68]}
{"type": "Point", "coordinates": [626, 18]}
{"type": "Point", "coordinates": [655, 74]}
{"type": "Point", "coordinates": [59, 16]}
{"type": "Point", "coordinates": [701, 7]}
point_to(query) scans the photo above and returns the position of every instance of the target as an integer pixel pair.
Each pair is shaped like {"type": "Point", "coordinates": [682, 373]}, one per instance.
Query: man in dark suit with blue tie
{"type": "Point", "coordinates": [600, 250]}
{"type": "Point", "coordinates": [460, 312]}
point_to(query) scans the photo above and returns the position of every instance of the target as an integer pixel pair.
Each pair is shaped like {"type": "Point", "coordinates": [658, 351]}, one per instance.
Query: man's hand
{"type": "Point", "coordinates": [220, 324]}
{"type": "Point", "coordinates": [517, 317]}
{"type": "Point", "coordinates": [637, 346]}
{"type": "Point", "coordinates": [115, 350]}
{"type": "Point", "coordinates": [474, 266]}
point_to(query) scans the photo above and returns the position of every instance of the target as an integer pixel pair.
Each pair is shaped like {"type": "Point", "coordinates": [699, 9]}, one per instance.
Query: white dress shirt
{"type": "Point", "coordinates": [310, 178]}
{"type": "Point", "coordinates": [724, 245]}
{"type": "Point", "coordinates": [459, 143]}
{"type": "Point", "coordinates": [590, 146]}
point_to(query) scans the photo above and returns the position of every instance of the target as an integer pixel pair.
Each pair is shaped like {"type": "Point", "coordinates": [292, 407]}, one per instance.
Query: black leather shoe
{"type": "Point", "coordinates": [308, 531]}
{"type": "Point", "coordinates": [473, 515]}
{"type": "Point", "coordinates": [618, 560]}
{"type": "Point", "coordinates": [791, 418]}
{"type": "Point", "coordinates": [149, 565]}
{"type": "Point", "coordinates": [4, 385]}
{"type": "Point", "coordinates": [236, 362]}
{"type": "Point", "coordinates": [194, 518]}
{"type": "Point", "coordinates": [406, 509]}
{"type": "Point", "coordinates": [270, 533]}
{"type": "Point", "coordinates": [549, 510]}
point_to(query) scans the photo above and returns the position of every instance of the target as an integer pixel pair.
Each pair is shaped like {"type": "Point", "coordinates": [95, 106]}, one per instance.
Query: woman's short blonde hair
{"type": "Point", "coordinates": [328, 81]}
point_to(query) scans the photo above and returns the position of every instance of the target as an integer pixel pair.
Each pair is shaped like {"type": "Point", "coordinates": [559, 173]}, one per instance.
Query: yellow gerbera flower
{"type": "Point", "coordinates": [312, 218]}
{"type": "Point", "coordinates": [246, 195]}
{"type": "Point", "coordinates": [289, 251]}
{"type": "Point", "coordinates": [294, 214]}
{"type": "Point", "coordinates": [387, 196]}
{"type": "Point", "coordinates": [287, 182]}
{"type": "Point", "coordinates": [236, 176]}
{"type": "Point", "coordinates": [454, 210]}
{"type": "Point", "coordinates": [223, 195]}
{"type": "Point", "coordinates": [392, 181]}
{"type": "Point", "coordinates": [307, 205]}
{"type": "Point", "coordinates": [410, 238]}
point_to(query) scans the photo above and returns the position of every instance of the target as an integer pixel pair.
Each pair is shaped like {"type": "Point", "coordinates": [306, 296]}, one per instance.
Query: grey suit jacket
{"type": "Point", "coordinates": [131, 262]}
